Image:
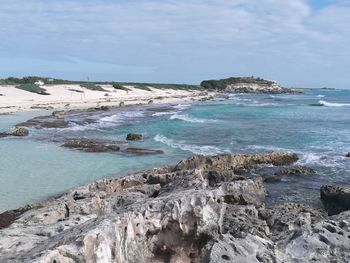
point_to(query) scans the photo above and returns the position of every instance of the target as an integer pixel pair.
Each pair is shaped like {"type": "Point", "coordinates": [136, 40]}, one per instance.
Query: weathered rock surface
{"type": "Point", "coordinates": [17, 131]}
{"type": "Point", "coordinates": [201, 210]}
{"type": "Point", "coordinates": [134, 137]}
{"type": "Point", "coordinates": [335, 199]}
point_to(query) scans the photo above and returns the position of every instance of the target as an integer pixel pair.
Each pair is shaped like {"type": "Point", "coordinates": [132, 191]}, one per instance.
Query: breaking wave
{"type": "Point", "coordinates": [196, 149]}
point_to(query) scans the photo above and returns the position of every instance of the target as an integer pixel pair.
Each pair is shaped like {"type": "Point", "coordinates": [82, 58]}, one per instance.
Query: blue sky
{"type": "Point", "coordinates": [302, 43]}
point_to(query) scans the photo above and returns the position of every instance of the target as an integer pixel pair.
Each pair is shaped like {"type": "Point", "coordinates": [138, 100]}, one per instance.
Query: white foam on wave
{"type": "Point", "coordinates": [196, 149]}
{"type": "Point", "coordinates": [333, 104]}
{"type": "Point", "coordinates": [321, 96]}
{"type": "Point", "coordinates": [187, 118]}
{"type": "Point", "coordinates": [165, 113]}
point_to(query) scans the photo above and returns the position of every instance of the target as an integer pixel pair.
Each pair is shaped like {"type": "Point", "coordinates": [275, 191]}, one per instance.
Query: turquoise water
{"type": "Point", "coordinates": [37, 167]}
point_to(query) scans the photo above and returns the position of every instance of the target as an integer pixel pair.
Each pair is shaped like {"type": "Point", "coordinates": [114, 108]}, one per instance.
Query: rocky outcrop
{"type": "Point", "coordinates": [17, 131]}
{"type": "Point", "coordinates": [44, 122]}
{"type": "Point", "coordinates": [134, 137]}
{"type": "Point", "coordinates": [201, 210]}
{"type": "Point", "coordinates": [335, 199]}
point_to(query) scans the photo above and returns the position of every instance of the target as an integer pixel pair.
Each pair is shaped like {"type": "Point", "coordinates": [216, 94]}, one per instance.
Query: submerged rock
{"type": "Point", "coordinates": [91, 145]}
{"type": "Point", "coordinates": [335, 199]}
{"type": "Point", "coordinates": [17, 131]}
{"type": "Point", "coordinates": [44, 122]}
{"type": "Point", "coordinates": [199, 210]}
{"type": "Point", "coordinates": [134, 137]}
{"type": "Point", "coordinates": [142, 151]}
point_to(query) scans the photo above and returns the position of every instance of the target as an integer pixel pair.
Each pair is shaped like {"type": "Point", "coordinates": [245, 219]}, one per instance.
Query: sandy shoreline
{"type": "Point", "coordinates": [70, 97]}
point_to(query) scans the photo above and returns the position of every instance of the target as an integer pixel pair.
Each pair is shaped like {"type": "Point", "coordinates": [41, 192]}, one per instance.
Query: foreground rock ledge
{"type": "Point", "coordinates": [201, 210]}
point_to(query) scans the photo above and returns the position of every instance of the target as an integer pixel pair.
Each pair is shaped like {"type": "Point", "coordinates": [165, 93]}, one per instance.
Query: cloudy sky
{"type": "Point", "coordinates": [303, 43]}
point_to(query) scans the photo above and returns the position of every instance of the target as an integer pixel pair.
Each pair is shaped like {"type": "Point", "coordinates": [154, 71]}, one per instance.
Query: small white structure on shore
{"type": "Point", "coordinates": [39, 82]}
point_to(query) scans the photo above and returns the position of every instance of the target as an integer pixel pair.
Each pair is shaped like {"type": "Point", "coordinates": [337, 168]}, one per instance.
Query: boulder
{"type": "Point", "coordinates": [134, 137]}
{"type": "Point", "coordinates": [335, 199]}
{"type": "Point", "coordinates": [348, 154]}
{"type": "Point", "coordinates": [58, 114]}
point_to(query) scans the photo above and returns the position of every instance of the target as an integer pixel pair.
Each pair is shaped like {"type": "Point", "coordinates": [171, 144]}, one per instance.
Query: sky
{"type": "Point", "coordinates": [299, 43]}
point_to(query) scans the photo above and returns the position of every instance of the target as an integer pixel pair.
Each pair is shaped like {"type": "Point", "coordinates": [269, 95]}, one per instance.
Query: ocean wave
{"type": "Point", "coordinates": [321, 96]}
{"type": "Point", "coordinates": [333, 104]}
{"type": "Point", "coordinates": [196, 149]}
{"type": "Point", "coordinates": [182, 106]}
{"type": "Point", "coordinates": [187, 118]}
{"type": "Point", "coordinates": [165, 113]}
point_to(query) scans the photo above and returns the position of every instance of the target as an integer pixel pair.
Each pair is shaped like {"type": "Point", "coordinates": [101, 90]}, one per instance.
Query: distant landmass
{"type": "Point", "coordinates": [232, 84]}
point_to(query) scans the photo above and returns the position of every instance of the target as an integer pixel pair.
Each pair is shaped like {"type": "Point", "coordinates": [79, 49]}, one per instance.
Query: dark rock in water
{"type": "Point", "coordinates": [58, 114]}
{"type": "Point", "coordinates": [348, 155]}
{"type": "Point", "coordinates": [141, 151]}
{"type": "Point", "coordinates": [91, 145]}
{"type": "Point", "coordinates": [316, 104]}
{"type": "Point", "coordinates": [44, 122]}
{"type": "Point", "coordinates": [335, 199]}
{"type": "Point", "coordinates": [17, 131]}
{"type": "Point", "coordinates": [290, 171]}
{"type": "Point", "coordinates": [134, 137]}
{"type": "Point", "coordinates": [102, 108]}
{"type": "Point", "coordinates": [273, 178]}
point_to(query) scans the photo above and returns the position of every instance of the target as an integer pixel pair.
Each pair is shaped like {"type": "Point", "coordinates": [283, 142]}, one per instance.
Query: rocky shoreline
{"type": "Point", "coordinates": [204, 209]}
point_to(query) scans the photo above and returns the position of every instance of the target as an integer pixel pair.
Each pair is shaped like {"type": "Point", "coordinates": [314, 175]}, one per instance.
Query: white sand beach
{"type": "Point", "coordinates": [77, 97]}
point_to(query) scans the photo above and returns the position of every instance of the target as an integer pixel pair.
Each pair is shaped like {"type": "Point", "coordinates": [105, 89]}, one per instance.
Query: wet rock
{"type": "Point", "coordinates": [290, 171]}
{"type": "Point", "coordinates": [58, 114]}
{"type": "Point", "coordinates": [91, 145]}
{"type": "Point", "coordinates": [142, 151]}
{"type": "Point", "coordinates": [134, 137]}
{"type": "Point", "coordinates": [17, 131]}
{"type": "Point", "coordinates": [335, 199]}
{"type": "Point", "coordinates": [102, 108]}
{"type": "Point", "coordinates": [316, 104]}
{"type": "Point", "coordinates": [348, 154]}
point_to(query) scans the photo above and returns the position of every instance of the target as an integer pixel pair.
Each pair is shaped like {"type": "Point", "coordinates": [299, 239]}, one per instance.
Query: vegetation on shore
{"type": "Point", "coordinates": [92, 86]}
{"type": "Point", "coordinates": [32, 88]}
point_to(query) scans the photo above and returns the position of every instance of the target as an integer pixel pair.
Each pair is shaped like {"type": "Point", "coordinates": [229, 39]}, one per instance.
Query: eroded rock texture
{"type": "Point", "coordinates": [204, 209]}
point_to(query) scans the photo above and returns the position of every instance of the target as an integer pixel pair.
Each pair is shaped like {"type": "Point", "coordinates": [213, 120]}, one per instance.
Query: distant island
{"type": "Point", "coordinates": [245, 85]}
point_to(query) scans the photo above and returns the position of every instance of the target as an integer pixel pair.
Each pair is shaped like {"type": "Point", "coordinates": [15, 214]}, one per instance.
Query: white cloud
{"type": "Point", "coordinates": [185, 40]}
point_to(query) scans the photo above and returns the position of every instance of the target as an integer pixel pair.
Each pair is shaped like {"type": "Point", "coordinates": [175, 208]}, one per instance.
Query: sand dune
{"type": "Point", "coordinates": [74, 96]}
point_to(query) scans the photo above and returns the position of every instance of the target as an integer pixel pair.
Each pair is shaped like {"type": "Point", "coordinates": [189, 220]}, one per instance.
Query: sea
{"type": "Point", "coordinates": [37, 167]}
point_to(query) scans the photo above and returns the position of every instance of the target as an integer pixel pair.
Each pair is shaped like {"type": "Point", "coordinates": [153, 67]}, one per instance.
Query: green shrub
{"type": "Point", "coordinates": [92, 86]}
{"type": "Point", "coordinates": [120, 87]}
{"type": "Point", "coordinates": [223, 83]}
{"type": "Point", "coordinates": [142, 87]}
{"type": "Point", "coordinates": [33, 88]}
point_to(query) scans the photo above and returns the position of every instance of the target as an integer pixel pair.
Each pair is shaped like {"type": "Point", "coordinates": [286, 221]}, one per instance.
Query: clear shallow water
{"type": "Point", "coordinates": [36, 167]}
